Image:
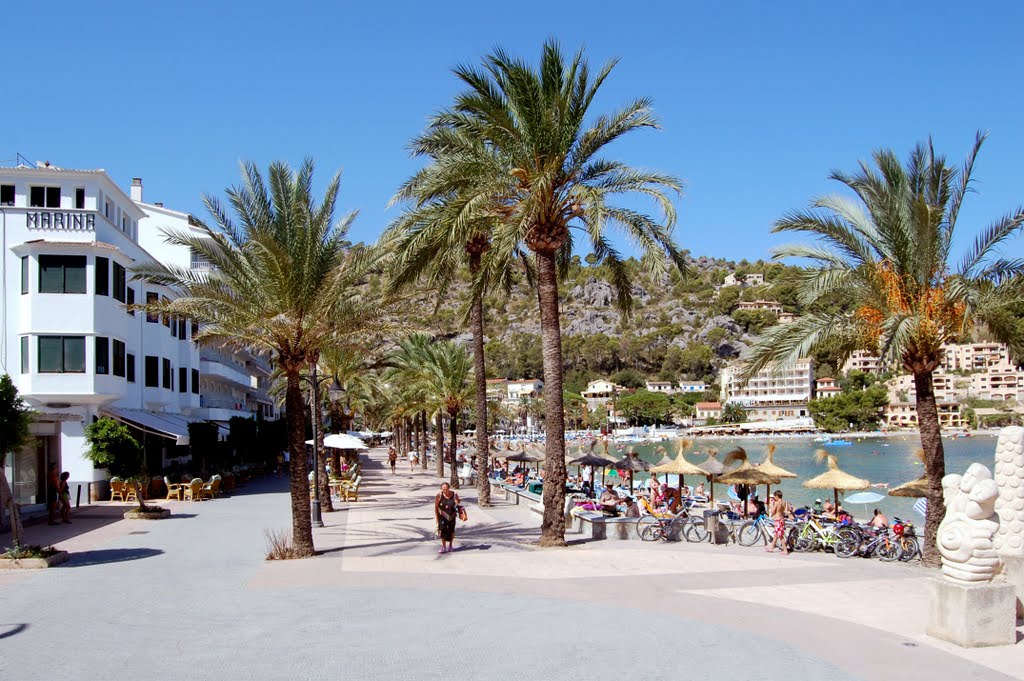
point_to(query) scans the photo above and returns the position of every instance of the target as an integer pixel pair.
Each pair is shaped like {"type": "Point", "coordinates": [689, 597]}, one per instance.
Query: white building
{"type": "Point", "coordinates": [702, 411]}
{"type": "Point", "coordinates": [528, 388]}
{"type": "Point", "coordinates": [760, 305]}
{"type": "Point", "coordinates": [746, 280]}
{"type": "Point", "coordinates": [232, 382]}
{"type": "Point", "coordinates": [663, 387]}
{"type": "Point", "coordinates": [862, 360]}
{"type": "Point", "coordinates": [974, 356]}
{"type": "Point", "coordinates": [599, 392]}
{"type": "Point", "coordinates": [773, 393]}
{"type": "Point", "coordinates": [692, 387]}
{"type": "Point", "coordinates": [69, 343]}
{"type": "Point", "coordinates": [999, 383]}
{"type": "Point", "coordinates": [826, 387]}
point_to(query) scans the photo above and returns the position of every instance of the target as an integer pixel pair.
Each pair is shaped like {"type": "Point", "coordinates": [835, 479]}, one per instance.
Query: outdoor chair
{"type": "Point", "coordinates": [193, 490]}
{"type": "Point", "coordinates": [173, 489]}
{"type": "Point", "coordinates": [116, 489]}
{"type": "Point", "coordinates": [129, 492]}
{"type": "Point", "coordinates": [210, 489]}
{"type": "Point", "coordinates": [351, 489]}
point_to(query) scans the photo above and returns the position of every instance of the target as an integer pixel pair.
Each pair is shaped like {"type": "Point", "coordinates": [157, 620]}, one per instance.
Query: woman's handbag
{"type": "Point", "coordinates": [461, 510]}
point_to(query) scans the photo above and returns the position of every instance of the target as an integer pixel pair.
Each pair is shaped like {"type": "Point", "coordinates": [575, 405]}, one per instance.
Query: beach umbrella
{"type": "Point", "coordinates": [769, 467]}
{"type": "Point", "coordinates": [631, 463]}
{"type": "Point", "coordinates": [834, 478]}
{"type": "Point", "coordinates": [607, 456]}
{"type": "Point", "coordinates": [592, 460]}
{"type": "Point", "coordinates": [712, 468]}
{"type": "Point", "coordinates": [745, 473]}
{"type": "Point", "coordinates": [915, 488]}
{"type": "Point", "coordinates": [678, 466]}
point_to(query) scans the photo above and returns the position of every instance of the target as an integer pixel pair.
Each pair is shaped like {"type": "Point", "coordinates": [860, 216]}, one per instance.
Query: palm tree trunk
{"type": "Point", "coordinates": [321, 461]}
{"type": "Point", "coordinates": [483, 483]}
{"type": "Point", "coordinates": [453, 446]}
{"type": "Point", "coordinates": [552, 529]}
{"type": "Point", "coordinates": [439, 452]}
{"type": "Point", "coordinates": [302, 529]}
{"type": "Point", "coordinates": [934, 463]}
{"type": "Point", "coordinates": [423, 440]}
{"type": "Point", "coordinates": [416, 432]}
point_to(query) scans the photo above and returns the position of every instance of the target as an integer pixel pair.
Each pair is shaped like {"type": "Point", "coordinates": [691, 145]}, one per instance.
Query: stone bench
{"type": "Point", "coordinates": [599, 526]}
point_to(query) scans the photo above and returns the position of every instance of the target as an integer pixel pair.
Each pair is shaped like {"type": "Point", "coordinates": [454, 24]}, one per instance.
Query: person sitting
{"type": "Point", "coordinates": [828, 508]}
{"type": "Point", "coordinates": [879, 520]}
{"type": "Point", "coordinates": [632, 510]}
{"type": "Point", "coordinates": [842, 516]}
{"type": "Point", "coordinates": [699, 491]}
{"type": "Point", "coordinates": [609, 502]}
{"type": "Point", "coordinates": [685, 491]}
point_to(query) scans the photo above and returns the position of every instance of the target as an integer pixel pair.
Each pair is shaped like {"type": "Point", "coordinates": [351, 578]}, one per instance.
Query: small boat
{"type": "Point", "coordinates": [838, 443]}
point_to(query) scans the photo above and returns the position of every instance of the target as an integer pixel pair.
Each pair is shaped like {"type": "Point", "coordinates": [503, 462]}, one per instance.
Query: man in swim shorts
{"type": "Point", "coordinates": [779, 512]}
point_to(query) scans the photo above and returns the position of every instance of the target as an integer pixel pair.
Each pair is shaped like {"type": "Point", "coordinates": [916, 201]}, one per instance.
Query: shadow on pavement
{"type": "Point", "coordinates": [104, 556]}
{"type": "Point", "coordinates": [8, 630]}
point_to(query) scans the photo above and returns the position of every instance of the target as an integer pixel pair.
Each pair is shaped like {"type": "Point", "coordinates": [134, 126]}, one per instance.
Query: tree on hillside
{"type": "Point", "coordinates": [732, 412]}
{"type": "Point", "coordinates": [522, 153]}
{"type": "Point", "coordinates": [890, 252]}
{"type": "Point", "coordinates": [851, 409]}
{"type": "Point", "coordinates": [15, 417]}
{"type": "Point", "coordinates": [284, 281]}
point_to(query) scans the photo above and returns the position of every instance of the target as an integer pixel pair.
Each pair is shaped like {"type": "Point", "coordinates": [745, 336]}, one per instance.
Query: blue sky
{"type": "Point", "coordinates": [758, 100]}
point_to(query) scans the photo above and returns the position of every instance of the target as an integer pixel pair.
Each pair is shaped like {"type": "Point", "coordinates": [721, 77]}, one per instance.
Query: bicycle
{"type": "Point", "coordinates": [907, 539]}
{"type": "Point", "coordinates": [761, 528]}
{"type": "Point", "coordinates": [665, 526]}
{"type": "Point", "coordinates": [869, 541]}
{"type": "Point", "coordinates": [814, 533]}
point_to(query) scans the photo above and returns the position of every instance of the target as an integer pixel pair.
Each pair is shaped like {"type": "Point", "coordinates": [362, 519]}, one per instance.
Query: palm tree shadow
{"type": "Point", "coordinates": [104, 556]}
{"type": "Point", "coordinates": [8, 630]}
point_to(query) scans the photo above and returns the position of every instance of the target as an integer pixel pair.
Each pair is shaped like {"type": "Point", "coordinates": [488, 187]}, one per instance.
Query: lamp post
{"type": "Point", "coordinates": [314, 511]}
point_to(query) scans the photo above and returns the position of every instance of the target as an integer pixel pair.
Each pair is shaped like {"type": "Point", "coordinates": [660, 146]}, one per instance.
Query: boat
{"type": "Point", "coordinates": [838, 443]}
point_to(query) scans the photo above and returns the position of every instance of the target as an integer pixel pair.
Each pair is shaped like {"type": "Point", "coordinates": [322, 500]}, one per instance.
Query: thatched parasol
{"type": "Point", "coordinates": [678, 466]}
{"type": "Point", "coordinates": [631, 463]}
{"type": "Point", "coordinates": [745, 473]}
{"type": "Point", "coordinates": [594, 461]}
{"type": "Point", "coordinates": [834, 478]}
{"type": "Point", "coordinates": [712, 468]}
{"type": "Point", "coordinates": [917, 489]}
{"type": "Point", "coordinates": [769, 467]}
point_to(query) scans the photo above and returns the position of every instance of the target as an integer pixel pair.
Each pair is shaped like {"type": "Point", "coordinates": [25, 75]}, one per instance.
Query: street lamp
{"type": "Point", "coordinates": [315, 516]}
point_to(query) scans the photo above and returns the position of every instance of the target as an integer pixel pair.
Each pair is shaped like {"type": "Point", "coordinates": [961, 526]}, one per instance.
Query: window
{"type": "Point", "coordinates": [62, 354]}
{"type": "Point", "coordinates": [130, 299]}
{"type": "Point", "coordinates": [195, 381]}
{"type": "Point", "coordinates": [80, 197]}
{"type": "Point", "coordinates": [168, 376]}
{"type": "Point", "coordinates": [152, 298]}
{"type": "Point", "coordinates": [181, 329]}
{"type": "Point", "coordinates": [174, 327]}
{"type": "Point", "coordinates": [124, 224]}
{"type": "Point", "coordinates": [119, 358]}
{"type": "Point", "coordinates": [24, 354]}
{"type": "Point", "coordinates": [102, 276]}
{"type": "Point", "coordinates": [7, 195]}
{"type": "Point", "coordinates": [24, 274]}
{"type": "Point", "coordinates": [152, 371]}
{"type": "Point", "coordinates": [182, 380]}
{"type": "Point", "coordinates": [120, 282]}
{"type": "Point", "coordinates": [165, 319]}
{"type": "Point", "coordinates": [130, 367]}
{"type": "Point", "coordinates": [108, 208]}
{"type": "Point", "coordinates": [44, 197]}
{"type": "Point", "coordinates": [62, 274]}
{"type": "Point", "coordinates": [102, 355]}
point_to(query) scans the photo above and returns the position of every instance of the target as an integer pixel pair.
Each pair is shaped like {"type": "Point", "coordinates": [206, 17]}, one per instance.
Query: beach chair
{"type": "Point", "coordinates": [210, 489]}
{"type": "Point", "coordinates": [116, 489]}
{"type": "Point", "coordinates": [193, 491]}
{"type": "Point", "coordinates": [352, 489]}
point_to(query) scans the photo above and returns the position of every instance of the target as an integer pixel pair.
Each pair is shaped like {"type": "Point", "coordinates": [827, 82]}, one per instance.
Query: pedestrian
{"type": "Point", "coordinates": [392, 459]}
{"type": "Point", "coordinates": [52, 493]}
{"type": "Point", "coordinates": [779, 512]}
{"type": "Point", "coordinates": [412, 460]}
{"type": "Point", "coordinates": [446, 508]}
{"type": "Point", "coordinates": [64, 494]}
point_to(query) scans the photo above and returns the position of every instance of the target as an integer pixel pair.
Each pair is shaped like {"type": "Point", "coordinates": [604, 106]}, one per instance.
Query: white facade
{"type": "Point", "coordinates": [975, 356]}
{"type": "Point", "coordinates": [760, 305]}
{"type": "Point", "coordinates": [663, 387]}
{"type": "Point", "coordinates": [862, 360]}
{"type": "Point", "coordinates": [232, 383]}
{"type": "Point", "coordinates": [69, 343]}
{"type": "Point", "coordinates": [773, 393]}
{"type": "Point", "coordinates": [692, 387]}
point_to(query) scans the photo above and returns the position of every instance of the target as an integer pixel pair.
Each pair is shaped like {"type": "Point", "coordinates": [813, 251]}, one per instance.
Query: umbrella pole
{"type": "Point", "coordinates": [835, 496]}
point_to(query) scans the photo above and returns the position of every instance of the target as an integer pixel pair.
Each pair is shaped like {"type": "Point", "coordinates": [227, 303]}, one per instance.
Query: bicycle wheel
{"type": "Point", "coordinates": [749, 533]}
{"type": "Point", "coordinates": [643, 523]}
{"type": "Point", "coordinates": [847, 546]}
{"type": "Point", "coordinates": [909, 549]}
{"type": "Point", "coordinates": [887, 550]}
{"type": "Point", "coordinates": [651, 533]}
{"type": "Point", "coordinates": [805, 540]}
{"type": "Point", "coordinates": [694, 530]}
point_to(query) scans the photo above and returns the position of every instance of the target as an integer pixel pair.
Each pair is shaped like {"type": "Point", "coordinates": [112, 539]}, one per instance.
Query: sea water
{"type": "Point", "coordinates": [877, 459]}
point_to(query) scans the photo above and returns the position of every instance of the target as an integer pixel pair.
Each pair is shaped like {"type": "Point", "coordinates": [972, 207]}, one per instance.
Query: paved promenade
{"type": "Point", "coordinates": [192, 598]}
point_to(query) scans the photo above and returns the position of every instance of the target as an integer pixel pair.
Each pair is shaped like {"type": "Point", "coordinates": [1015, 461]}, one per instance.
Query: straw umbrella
{"type": "Point", "coordinates": [592, 460]}
{"type": "Point", "coordinates": [768, 466]}
{"type": "Point", "coordinates": [712, 468]}
{"type": "Point", "coordinates": [678, 466]}
{"type": "Point", "coordinates": [917, 489]}
{"type": "Point", "coordinates": [834, 478]}
{"type": "Point", "coordinates": [631, 463]}
{"type": "Point", "coordinates": [745, 473]}
{"type": "Point", "coordinates": [665, 459]}
{"type": "Point", "coordinates": [607, 456]}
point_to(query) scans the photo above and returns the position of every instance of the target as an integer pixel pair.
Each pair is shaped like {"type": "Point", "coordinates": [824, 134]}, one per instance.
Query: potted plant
{"type": "Point", "coordinates": [112, 446]}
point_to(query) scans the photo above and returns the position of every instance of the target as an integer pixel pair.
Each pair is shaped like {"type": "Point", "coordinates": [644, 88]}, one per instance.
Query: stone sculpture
{"type": "Point", "coordinates": [1009, 476]}
{"type": "Point", "coordinates": [965, 534]}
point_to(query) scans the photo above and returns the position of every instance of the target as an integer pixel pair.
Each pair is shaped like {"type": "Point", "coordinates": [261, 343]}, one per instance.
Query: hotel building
{"type": "Point", "coordinates": [774, 393]}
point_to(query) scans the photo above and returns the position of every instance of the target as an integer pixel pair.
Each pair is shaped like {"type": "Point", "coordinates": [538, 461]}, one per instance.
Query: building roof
{"type": "Point", "coordinates": [709, 405]}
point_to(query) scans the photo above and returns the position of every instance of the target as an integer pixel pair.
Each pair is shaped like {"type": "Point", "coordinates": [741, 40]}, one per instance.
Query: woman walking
{"type": "Point", "coordinates": [446, 505]}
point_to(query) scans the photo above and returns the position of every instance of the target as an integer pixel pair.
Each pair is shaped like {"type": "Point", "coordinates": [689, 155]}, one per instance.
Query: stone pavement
{"type": "Point", "coordinates": [191, 598]}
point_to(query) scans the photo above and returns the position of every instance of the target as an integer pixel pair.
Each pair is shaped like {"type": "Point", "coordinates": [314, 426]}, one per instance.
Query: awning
{"type": "Point", "coordinates": [172, 426]}
{"type": "Point", "coordinates": [341, 441]}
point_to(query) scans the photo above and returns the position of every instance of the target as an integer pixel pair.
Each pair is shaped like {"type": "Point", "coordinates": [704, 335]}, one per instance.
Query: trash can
{"type": "Point", "coordinates": [714, 527]}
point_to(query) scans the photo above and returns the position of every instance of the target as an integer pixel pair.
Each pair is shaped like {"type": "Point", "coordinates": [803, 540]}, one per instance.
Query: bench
{"type": "Point", "coordinates": [600, 526]}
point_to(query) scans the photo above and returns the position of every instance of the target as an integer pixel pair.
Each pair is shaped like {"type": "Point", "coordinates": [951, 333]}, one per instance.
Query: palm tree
{"type": "Point", "coordinates": [447, 371]}
{"type": "Point", "coordinates": [284, 280]}
{"type": "Point", "coordinates": [408, 377]}
{"type": "Point", "coordinates": [516, 149]}
{"type": "Point", "coordinates": [888, 255]}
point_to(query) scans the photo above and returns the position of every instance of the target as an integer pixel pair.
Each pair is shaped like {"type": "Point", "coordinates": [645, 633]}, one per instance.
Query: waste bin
{"type": "Point", "coordinates": [716, 531]}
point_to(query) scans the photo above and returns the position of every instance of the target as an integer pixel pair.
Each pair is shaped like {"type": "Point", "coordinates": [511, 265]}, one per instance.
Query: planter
{"type": "Point", "coordinates": [151, 513]}
{"type": "Point", "coordinates": [33, 563]}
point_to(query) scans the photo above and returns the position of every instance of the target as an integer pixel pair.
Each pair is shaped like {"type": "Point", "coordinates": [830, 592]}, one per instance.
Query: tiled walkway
{"type": "Point", "coordinates": [191, 598]}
